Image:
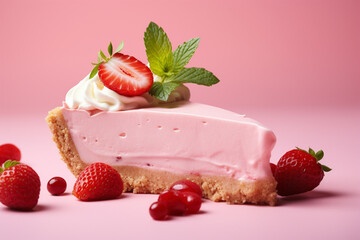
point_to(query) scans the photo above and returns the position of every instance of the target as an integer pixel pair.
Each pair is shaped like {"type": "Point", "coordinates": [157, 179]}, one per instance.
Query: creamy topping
{"type": "Point", "coordinates": [90, 94]}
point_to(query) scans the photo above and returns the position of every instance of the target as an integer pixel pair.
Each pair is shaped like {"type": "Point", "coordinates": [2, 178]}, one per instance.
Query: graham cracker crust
{"type": "Point", "coordinates": [141, 180]}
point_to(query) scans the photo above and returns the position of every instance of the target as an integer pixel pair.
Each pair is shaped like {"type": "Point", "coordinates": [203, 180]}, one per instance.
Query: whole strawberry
{"type": "Point", "coordinates": [98, 181]}
{"type": "Point", "coordinates": [19, 186]}
{"type": "Point", "coordinates": [299, 171]}
{"type": "Point", "coordinates": [9, 151]}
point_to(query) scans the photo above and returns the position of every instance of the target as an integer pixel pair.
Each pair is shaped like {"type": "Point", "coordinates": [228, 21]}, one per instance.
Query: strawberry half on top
{"type": "Point", "coordinates": [122, 73]}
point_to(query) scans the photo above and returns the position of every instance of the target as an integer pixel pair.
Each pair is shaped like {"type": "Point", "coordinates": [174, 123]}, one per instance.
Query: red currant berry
{"type": "Point", "coordinates": [9, 152]}
{"type": "Point", "coordinates": [173, 202]}
{"type": "Point", "coordinates": [56, 186]}
{"type": "Point", "coordinates": [186, 186]}
{"type": "Point", "coordinates": [192, 202]}
{"type": "Point", "coordinates": [158, 211]}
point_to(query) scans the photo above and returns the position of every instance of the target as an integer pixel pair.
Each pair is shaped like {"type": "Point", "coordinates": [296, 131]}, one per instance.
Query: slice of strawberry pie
{"type": "Point", "coordinates": [140, 121]}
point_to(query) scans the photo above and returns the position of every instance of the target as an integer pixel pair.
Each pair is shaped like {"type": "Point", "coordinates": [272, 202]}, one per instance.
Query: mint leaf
{"type": "Point", "coordinates": [158, 50]}
{"type": "Point", "coordinates": [162, 90]}
{"type": "Point", "coordinates": [184, 52]}
{"type": "Point", "coordinates": [199, 76]}
{"type": "Point", "coordinates": [169, 66]}
{"type": "Point", "coordinates": [110, 49]}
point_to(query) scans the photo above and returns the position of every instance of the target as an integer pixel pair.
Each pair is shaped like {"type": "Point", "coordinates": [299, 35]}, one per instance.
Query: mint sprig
{"type": "Point", "coordinates": [170, 66]}
{"type": "Point", "coordinates": [163, 90]}
{"type": "Point", "coordinates": [199, 76]}
{"type": "Point", "coordinates": [158, 50]}
{"type": "Point", "coordinates": [101, 57]}
{"type": "Point", "coordinates": [184, 52]}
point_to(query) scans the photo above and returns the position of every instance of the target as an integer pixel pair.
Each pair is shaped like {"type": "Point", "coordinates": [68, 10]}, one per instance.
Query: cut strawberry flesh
{"type": "Point", "coordinates": [126, 75]}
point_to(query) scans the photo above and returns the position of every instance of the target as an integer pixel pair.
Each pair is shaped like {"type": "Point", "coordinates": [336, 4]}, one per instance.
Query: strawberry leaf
{"type": "Point", "coordinates": [199, 76]}
{"type": "Point", "coordinates": [162, 90]}
{"type": "Point", "coordinates": [158, 50]}
{"type": "Point", "coordinates": [312, 152]}
{"type": "Point", "coordinates": [94, 71]}
{"type": "Point", "coordinates": [110, 49]}
{"type": "Point", "coordinates": [301, 149]}
{"type": "Point", "coordinates": [319, 155]}
{"type": "Point", "coordinates": [7, 164]}
{"type": "Point", "coordinates": [120, 47]}
{"type": "Point", "coordinates": [103, 55]}
{"type": "Point", "coordinates": [325, 168]}
{"type": "Point", "coordinates": [184, 52]}
{"type": "Point", "coordinates": [1, 170]}
{"type": "Point", "coordinates": [10, 163]}
{"type": "Point", "coordinates": [99, 57]}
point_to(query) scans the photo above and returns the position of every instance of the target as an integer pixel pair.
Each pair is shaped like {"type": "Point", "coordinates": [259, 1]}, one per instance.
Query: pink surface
{"type": "Point", "coordinates": [293, 65]}
{"type": "Point", "coordinates": [266, 53]}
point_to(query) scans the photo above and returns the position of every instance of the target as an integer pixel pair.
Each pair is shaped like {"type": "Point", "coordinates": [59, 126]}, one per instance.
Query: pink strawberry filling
{"type": "Point", "coordinates": [183, 137]}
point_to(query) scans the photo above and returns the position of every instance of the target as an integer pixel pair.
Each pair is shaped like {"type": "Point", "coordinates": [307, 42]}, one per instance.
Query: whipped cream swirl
{"type": "Point", "coordinates": [91, 94]}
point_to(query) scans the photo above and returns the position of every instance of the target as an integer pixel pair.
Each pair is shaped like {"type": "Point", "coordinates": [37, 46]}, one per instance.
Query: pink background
{"type": "Point", "coordinates": [266, 53]}
{"type": "Point", "coordinates": [293, 65]}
